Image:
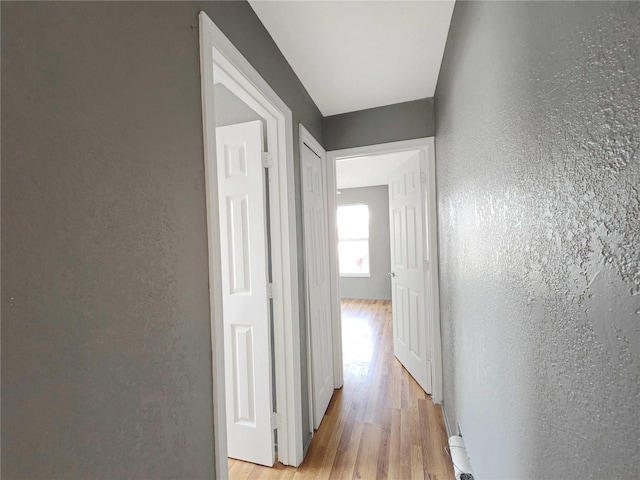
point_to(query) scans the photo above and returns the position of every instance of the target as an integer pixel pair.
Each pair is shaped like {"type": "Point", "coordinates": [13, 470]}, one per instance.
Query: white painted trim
{"type": "Point", "coordinates": [306, 137]}
{"type": "Point", "coordinates": [431, 238]}
{"type": "Point", "coordinates": [426, 147]}
{"type": "Point", "coordinates": [215, 268]}
{"type": "Point", "coordinates": [332, 218]}
{"type": "Point", "coordinates": [380, 149]}
{"type": "Point", "coordinates": [219, 54]}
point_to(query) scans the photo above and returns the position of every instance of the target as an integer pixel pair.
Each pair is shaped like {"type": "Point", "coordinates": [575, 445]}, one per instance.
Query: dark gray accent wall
{"type": "Point", "coordinates": [230, 110]}
{"type": "Point", "coordinates": [378, 285]}
{"type": "Point", "coordinates": [391, 123]}
{"type": "Point", "coordinates": [538, 168]}
{"type": "Point", "coordinates": [106, 357]}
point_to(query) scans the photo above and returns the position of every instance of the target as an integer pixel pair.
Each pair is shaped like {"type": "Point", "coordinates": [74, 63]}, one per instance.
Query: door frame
{"type": "Point", "coordinates": [219, 55]}
{"type": "Point", "coordinates": [334, 295]}
{"type": "Point", "coordinates": [426, 146]}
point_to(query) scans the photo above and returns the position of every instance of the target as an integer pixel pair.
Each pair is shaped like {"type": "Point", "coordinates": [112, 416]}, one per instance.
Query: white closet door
{"type": "Point", "coordinates": [316, 250]}
{"type": "Point", "coordinates": [247, 334]}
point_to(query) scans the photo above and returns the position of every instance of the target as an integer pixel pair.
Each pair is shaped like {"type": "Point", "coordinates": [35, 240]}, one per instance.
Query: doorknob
{"type": "Point", "coordinates": [391, 274]}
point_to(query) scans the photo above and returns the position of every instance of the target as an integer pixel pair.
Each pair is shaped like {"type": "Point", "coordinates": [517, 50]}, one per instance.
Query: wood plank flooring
{"type": "Point", "coordinates": [381, 424]}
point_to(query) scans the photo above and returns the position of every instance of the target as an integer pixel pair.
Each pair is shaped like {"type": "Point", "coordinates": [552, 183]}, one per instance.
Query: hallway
{"type": "Point", "coordinates": [381, 424]}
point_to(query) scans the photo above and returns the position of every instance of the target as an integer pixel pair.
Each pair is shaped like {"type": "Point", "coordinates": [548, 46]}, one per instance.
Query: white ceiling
{"type": "Point", "coordinates": [369, 170]}
{"type": "Point", "coordinates": [353, 55]}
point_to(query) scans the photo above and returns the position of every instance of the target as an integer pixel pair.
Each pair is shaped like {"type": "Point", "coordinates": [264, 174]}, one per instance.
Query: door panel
{"type": "Point", "coordinates": [316, 250]}
{"type": "Point", "coordinates": [247, 335]}
{"type": "Point", "coordinates": [410, 327]}
{"type": "Point", "coordinates": [239, 256]}
{"type": "Point", "coordinates": [244, 391]}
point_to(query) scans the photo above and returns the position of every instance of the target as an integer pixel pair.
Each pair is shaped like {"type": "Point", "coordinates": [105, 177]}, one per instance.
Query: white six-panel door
{"type": "Point", "coordinates": [316, 250]}
{"type": "Point", "coordinates": [408, 269]}
{"type": "Point", "coordinates": [247, 337]}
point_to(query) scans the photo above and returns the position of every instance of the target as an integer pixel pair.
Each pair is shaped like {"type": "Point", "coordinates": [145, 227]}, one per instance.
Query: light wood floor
{"type": "Point", "coordinates": [381, 424]}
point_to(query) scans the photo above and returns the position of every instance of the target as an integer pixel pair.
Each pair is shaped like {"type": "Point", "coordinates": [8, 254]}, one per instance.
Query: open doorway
{"type": "Point", "coordinates": [392, 256]}
{"type": "Point", "coordinates": [252, 253]}
{"type": "Point", "coordinates": [245, 242]}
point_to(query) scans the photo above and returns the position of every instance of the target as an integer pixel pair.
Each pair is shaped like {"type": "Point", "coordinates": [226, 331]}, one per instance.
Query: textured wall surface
{"type": "Point", "coordinates": [538, 175]}
{"type": "Point", "coordinates": [106, 357]}
{"type": "Point", "coordinates": [378, 285]}
{"type": "Point", "coordinates": [391, 123]}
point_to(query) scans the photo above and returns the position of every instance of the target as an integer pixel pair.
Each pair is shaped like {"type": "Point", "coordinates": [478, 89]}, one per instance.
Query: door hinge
{"type": "Point", "coordinates": [276, 420]}
{"type": "Point", "coordinates": [270, 290]}
{"type": "Point", "coordinates": [267, 161]}
{"type": "Point", "coordinates": [423, 178]}
{"type": "Point", "coordinates": [425, 265]}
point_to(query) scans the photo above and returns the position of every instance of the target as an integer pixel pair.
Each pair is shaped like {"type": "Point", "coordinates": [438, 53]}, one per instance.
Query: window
{"type": "Point", "coordinates": [353, 240]}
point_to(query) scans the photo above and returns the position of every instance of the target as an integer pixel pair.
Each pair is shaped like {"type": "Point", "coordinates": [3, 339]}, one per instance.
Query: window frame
{"type": "Point", "coordinates": [359, 239]}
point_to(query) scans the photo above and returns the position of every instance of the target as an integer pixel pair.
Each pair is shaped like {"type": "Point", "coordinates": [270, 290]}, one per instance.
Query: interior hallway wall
{"type": "Point", "coordinates": [538, 174]}
{"type": "Point", "coordinates": [106, 357]}
{"type": "Point", "coordinates": [230, 110]}
{"type": "Point", "coordinates": [378, 285]}
{"type": "Point", "coordinates": [391, 123]}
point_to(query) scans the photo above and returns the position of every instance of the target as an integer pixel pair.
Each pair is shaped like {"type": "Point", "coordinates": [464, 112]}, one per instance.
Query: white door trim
{"type": "Point", "coordinates": [336, 317]}
{"type": "Point", "coordinates": [218, 54]}
{"type": "Point", "coordinates": [426, 146]}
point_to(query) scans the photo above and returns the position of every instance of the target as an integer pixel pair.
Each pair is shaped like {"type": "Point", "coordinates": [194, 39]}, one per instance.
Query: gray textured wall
{"type": "Point", "coordinates": [538, 174]}
{"type": "Point", "coordinates": [378, 286]}
{"type": "Point", "coordinates": [391, 123]}
{"type": "Point", "coordinates": [106, 358]}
